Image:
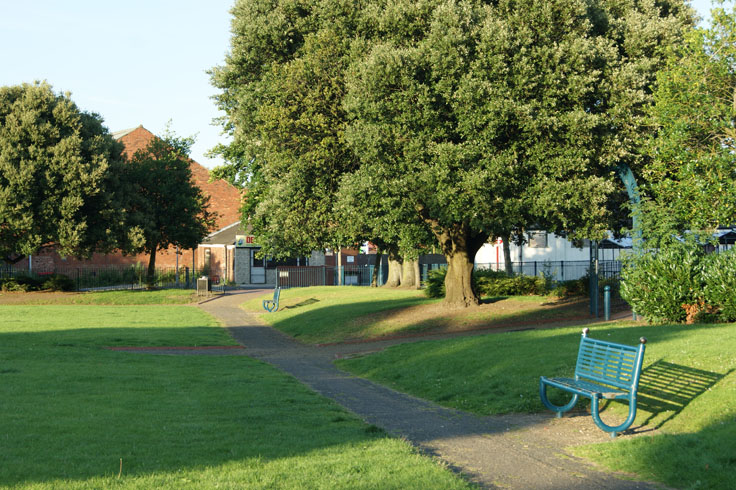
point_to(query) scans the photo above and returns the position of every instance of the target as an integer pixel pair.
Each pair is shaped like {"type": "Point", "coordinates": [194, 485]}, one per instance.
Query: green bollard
{"type": "Point", "coordinates": [607, 302]}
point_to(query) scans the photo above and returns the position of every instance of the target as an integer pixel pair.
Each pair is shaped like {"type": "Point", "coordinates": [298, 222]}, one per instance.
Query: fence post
{"type": "Point", "coordinates": [562, 269]}
{"type": "Point", "coordinates": [324, 276]}
{"type": "Point", "coordinates": [535, 268]}
{"type": "Point", "coordinates": [78, 285]}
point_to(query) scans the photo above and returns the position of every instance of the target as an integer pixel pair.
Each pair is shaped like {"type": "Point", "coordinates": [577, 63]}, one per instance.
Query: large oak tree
{"type": "Point", "coordinates": [505, 114]}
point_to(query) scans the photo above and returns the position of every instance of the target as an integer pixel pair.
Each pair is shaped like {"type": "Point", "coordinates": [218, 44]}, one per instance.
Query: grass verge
{"type": "Point", "coordinates": [688, 390]}
{"type": "Point", "coordinates": [336, 314]}
{"type": "Point", "coordinates": [76, 415]}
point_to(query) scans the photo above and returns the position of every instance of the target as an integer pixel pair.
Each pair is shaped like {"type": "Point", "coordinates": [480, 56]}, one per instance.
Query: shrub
{"type": "Point", "coordinates": [572, 287]}
{"type": "Point", "coordinates": [658, 284]}
{"type": "Point", "coordinates": [719, 283]}
{"type": "Point", "coordinates": [21, 283]}
{"type": "Point", "coordinates": [436, 283]}
{"type": "Point", "coordinates": [58, 282]}
{"type": "Point", "coordinates": [488, 282]}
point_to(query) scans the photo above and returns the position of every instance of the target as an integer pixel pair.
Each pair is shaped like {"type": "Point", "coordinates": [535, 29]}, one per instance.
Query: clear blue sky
{"type": "Point", "coordinates": [133, 62]}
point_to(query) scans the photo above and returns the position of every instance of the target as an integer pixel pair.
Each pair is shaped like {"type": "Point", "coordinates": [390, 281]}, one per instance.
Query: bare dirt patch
{"type": "Point", "coordinates": [35, 297]}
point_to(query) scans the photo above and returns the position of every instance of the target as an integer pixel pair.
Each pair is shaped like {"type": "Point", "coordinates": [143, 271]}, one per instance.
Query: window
{"type": "Point", "coordinates": [537, 239]}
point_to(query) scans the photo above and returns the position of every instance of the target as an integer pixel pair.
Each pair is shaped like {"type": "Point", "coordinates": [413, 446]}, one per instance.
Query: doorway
{"type": "Point", "coordinates": [257, 267]}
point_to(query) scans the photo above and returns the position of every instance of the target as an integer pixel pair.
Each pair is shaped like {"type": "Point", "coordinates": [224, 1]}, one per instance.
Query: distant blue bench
{"type": "Point", "coordinates": [271, 305]}
{"type": "Point", "coordinates": [604, 370]}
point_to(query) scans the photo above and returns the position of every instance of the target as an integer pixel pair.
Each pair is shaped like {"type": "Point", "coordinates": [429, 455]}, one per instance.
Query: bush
{"type": "Point", "coordinates": [21, 283]}
{"type": "Point", "coordinates": [488, 282]}
{"type": "Point", "coordinates": [661, 285]}
{"type": "Point", "coordinates": [436, 283]}
{"type": "Point", "coordinates": [511, 285]}
{"type": "Point", "coordinates": [719, 283]}
{"type": "Point", "coordinates": [573, 287]}
{"type": "Point", "coordinates": [58, 282]}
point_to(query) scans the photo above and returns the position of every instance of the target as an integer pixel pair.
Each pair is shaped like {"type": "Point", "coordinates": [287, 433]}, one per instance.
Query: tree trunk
{"type": "Point", "coordinates": [408, 273]}
{"type": "Point", "coordinates": [394, 270]}
{"type": "Point", "coordinates": [376, 269]}
{"type": "Point", "coordinates": [418, 275]}
{"type": "Point", "coordinates": [507, 255]}
{"type": "Point", "coordinates": [460, 244]}
{"type": "Point", "coordinates": [151, 273]}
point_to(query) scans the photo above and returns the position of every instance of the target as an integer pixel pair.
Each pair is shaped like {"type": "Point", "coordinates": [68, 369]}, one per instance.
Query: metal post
{"type": "Point", "coordinates": [593, 278]}
{"type": "Point", "coordinates": [607, 302]}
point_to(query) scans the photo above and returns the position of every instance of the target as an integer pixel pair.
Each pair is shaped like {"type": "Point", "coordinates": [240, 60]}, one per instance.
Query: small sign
{"type": "Point", "coordinates": [245, 241]}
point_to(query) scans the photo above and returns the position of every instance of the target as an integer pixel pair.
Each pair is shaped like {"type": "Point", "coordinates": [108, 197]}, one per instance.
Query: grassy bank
{"type": "Point", "coordinates": [76, 415]}
{"type": "Point", "coordinates": [687, 390]}
{"type": "Point", "coordinates": [335, 314]}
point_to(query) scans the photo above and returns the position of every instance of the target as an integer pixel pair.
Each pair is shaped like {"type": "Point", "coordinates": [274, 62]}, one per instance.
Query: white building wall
{"type": "Point", "coordinates": [557, 249]}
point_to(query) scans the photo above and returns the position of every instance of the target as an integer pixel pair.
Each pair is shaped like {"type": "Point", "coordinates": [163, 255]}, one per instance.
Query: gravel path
{"type": "Point", "coordinates": [514, 451]}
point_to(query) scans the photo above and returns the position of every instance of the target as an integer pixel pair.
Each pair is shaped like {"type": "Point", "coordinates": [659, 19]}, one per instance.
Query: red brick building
{"type": "Point", "coordinates": [224, 200]}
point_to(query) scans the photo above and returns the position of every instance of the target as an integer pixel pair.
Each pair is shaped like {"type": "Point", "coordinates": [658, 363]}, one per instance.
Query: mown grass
{"type": "Point", "coordinates": [499, 373]}
{"type": "Point", "coordinates": [121, 297]}
{"type": "Point", "coordinates": [72, 411]}
{"type": "Point", "coordinates": [327, 314]}
{"type": "Point", "coordinates": [336, 314]}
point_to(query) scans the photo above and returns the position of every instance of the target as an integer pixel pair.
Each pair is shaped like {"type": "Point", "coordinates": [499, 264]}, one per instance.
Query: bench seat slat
{"type": "Point", "coordinates": [586, 388]}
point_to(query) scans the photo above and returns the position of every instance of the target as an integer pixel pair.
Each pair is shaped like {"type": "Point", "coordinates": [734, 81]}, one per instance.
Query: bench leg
{"type": "Point", "coordinates": [555, 408]}
{"type": "Point", "coordinates": [595, 409]}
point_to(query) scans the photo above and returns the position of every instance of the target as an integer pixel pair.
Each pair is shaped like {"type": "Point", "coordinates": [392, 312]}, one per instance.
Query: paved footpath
{"type": "Point", "coordinates": [517, 451]}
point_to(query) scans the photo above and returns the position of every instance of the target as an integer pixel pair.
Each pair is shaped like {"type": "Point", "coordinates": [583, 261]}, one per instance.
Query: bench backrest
{"type": "Point", "coordinates": [608, 363]}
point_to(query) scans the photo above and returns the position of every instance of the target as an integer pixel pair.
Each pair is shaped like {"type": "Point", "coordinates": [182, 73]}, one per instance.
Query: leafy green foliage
{"type": "Point", "coordinates": [487, 282]}
{"type": "Point", "coordinates": [680, 282]}
{"type": "Point", "coordinates": [58, 176]}
{"type": "Point", "coordinates": [719, 283]}
{"type": "Point", "coordinates": [657, 283]}
{"type": "Point", "coordinates": [473, 119]}
{"type": "Point", "coordinates": [25, 283]}
{"type": "Point", "coordinates": [691, 178]}
{"type": "Point", "coordinates": [435, 287]}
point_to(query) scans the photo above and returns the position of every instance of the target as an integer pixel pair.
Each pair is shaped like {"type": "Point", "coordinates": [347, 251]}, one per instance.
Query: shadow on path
{"type": "Point", "coordinates": [514, 451]}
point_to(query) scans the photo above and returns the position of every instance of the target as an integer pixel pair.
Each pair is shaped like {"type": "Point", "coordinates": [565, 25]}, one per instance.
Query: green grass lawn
{"type": "Point", "coordinates": [335, 314]}
{"type": "Point", "coordinates": [121, 297]}
{"type": "Point", "coordinates": [328, 313]}
{"type": "Point", "coordinates": [499, 373]}
{"type": "Point", "coordinates": [72, 411]}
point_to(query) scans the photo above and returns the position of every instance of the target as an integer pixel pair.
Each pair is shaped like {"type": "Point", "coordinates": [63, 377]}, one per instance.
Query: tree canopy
{"type": "Point", "coordinates": [691, 180]}
{"type": "Point", "coordinates": [469, 118]}
{"type": "Point", "coordinates": [58, 176]}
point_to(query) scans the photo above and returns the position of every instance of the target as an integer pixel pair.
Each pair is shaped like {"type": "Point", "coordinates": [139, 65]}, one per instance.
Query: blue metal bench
{"type": "Point", "coordinates": [271, 305]}
{"type": "Point", "coordinates": [604, 370]}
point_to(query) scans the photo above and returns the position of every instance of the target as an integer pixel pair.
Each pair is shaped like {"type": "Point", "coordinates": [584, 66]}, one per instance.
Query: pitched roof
{"type": "Point", "coordinates": [224, 198]}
